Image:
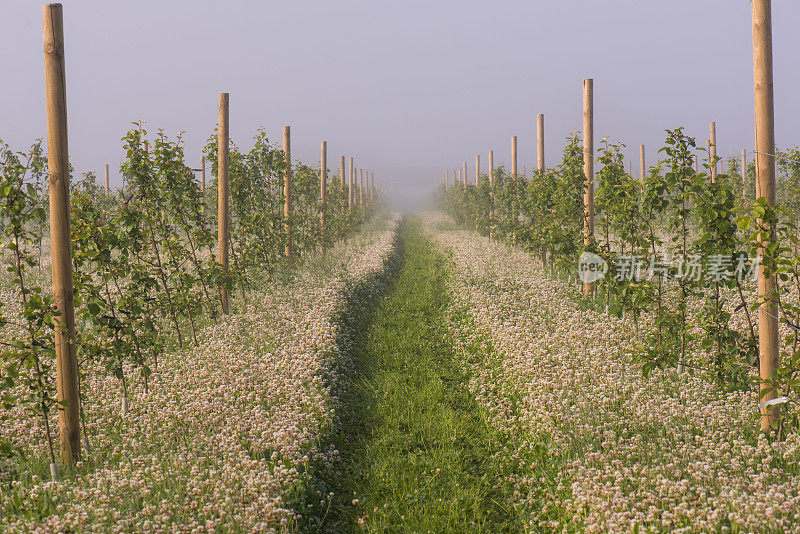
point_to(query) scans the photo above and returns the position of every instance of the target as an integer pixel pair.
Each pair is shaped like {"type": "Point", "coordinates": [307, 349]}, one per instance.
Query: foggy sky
{"type": "Point", "coordinates": [408, 88]}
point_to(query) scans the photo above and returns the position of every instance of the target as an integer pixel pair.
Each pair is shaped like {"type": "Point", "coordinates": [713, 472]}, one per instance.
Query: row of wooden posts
{"type": "Point", "coordinates": [368, 192]}
{"type": "Point", "coordinates": [58, 169]}
{"type": "Point", "coordinates": [358, 193]}
{"type": "Point", "coordinates": [461, 176]}
{"type": "Point", "coordinates": [765, 183]}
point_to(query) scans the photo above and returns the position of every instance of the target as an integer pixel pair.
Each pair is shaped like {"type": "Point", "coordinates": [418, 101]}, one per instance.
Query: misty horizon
{"type": "Point", "coordinates": [408, 90]}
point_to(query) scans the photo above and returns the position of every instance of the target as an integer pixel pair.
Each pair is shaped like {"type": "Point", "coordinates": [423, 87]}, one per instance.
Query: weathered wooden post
{"type": "Point", "coordinates": [323, 186]}
{"type": "Point", "coordinates": [372, 189]}
{"type": "Point", "coordinates": [107, 187]}
{"type": "Point", "coordinates": [588, 167]}
{"type": "Point", "coordinates": [60, 242]}
{"type": "Point", "coordinates": [287, 190]}
{"type": "Point", "coordinates": [223, 235]}
{"type": "Point", "coordinates": [540, 141]}
{"type": "Point", "coordinates": [513, 157]}
{"type": "Point", "coordinates": [642, 166]}
{"type": "Point", "coordinates": [765, 176]}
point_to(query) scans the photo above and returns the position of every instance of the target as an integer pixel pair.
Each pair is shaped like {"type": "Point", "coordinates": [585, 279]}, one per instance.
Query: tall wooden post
{"type": "Point", "coordinates": [513, 157]}
{"type": "Point", "coordinates": [642, 165]}
{"type": "Point", "coordinates": [60, 243]}
{"type": "Point", "coordinates": [477, 170]}
{"type": "Point", "coordinates": [372, 189]}
{"type": "Point", "coordinates": [351, 180]}
{"type": "Point", "coordinates": [744, 174]}
{"type": "Point", "coordinates": [287, 190]}
{"type": "Point", "coordinates": [712, 136]}
{"type": "Point", "coordinates": [466, 180]}
{"type": "Point", "coordinates": [203, 176]}
{"type": "Point", "coordinates": [765, 176]}
{"type": "Point", "coordinates": [223, 235]}
{"type": "Point", "coordinates": [107, 187]}
{"type": "Point", "coordinates": [696, 165]}
{"type": "Point", "coordinates": [588, 167]}
{"type": "Point", "coordinates": [540, 141]}
{"type": "Point", "coordinates": [323, 186]}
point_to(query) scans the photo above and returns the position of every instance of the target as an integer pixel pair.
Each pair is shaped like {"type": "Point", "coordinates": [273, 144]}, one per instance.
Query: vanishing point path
{"type": "Point", "coordinates": [415, 445]}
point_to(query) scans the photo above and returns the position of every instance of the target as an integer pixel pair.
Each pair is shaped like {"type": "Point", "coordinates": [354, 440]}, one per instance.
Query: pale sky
{"type": "Point", "coordinates": [408, 88]}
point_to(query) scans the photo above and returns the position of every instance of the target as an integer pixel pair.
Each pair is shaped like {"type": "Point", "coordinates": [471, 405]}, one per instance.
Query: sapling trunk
{"type": "Point", "coordinates": [244, 284]}
{"type": "Point", "coordinates": [37, 368]}
{"type": "Point", "coordinates": [162, 274]}
{"type": "Point", "coordinates": [198, 267]}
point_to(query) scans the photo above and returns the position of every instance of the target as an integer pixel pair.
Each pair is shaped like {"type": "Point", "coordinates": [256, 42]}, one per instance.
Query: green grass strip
{"type": "Point", "coordinates": [415, 446]}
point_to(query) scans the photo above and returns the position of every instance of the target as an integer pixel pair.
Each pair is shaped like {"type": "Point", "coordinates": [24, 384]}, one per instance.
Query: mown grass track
{"type": "Point", "coordinates": [416, 450]}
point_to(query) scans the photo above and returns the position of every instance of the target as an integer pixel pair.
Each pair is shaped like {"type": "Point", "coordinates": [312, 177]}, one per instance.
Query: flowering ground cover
{"type": "Point", "coordinates": [589, 443]}
{"type": "Point", "coordinates": [226, 432]}
{"type": "Point", "coordinates": [439, 382]}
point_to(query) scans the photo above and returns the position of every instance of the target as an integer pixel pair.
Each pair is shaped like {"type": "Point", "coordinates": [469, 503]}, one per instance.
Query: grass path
{"type": "Point", "coordinates": [416, 450]}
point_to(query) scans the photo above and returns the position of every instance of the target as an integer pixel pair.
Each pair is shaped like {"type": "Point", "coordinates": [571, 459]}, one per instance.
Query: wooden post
{"type": "Point", "coordinates": [323, 186]}
{"type": "Point", "coordinates": [696, 165]}
{"type": "Point", "coordinates": [477, 169]}
{"type": "Point", "coordinates": [642, 165]}
{"type": "Point", "coordinates": [203, 176]}
{"type": "Point", "coordinates": [223, 234]}
{"type": "Point", "coordinates": [540, 141]}
{"type": "Point", "coordinates": [588, 167]}
{"type": "Point", "coordinates": [351, 180]}
{"type": "Point", "coordinates": [712, 136]}
{"type": "Point", "coordinates": [287, 190]}
{"type": "Point", "coordinates": [107, 188]}
{"type": "Point", "coordinates": [744, 174]}
{"type": "Point", "coordinates": [513, 157]}
{"type": "Point", "coordinates": [466, 180]}
{"type": "Point", "coordinates": [60, 243]}
{"type": "Point", "coordinates": [372, 189]}
{"type": "Point", "coordinates": [765, 175]}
